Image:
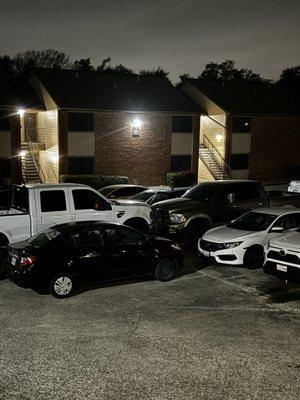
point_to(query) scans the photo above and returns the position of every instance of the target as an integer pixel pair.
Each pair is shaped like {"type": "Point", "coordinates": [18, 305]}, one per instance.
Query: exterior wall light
{"type": "Point", "coordinates": [21, 112]}
{"type": "Point", "coordinates": [23, 153]}
{"type": "Point", "coordinates": [219, 137]}
{"type": "Point", "coordinates": [136, 126]}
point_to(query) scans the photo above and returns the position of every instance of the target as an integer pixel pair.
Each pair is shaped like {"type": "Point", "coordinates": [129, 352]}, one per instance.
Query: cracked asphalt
{"type": "Point", "coordinates": [216, 332]}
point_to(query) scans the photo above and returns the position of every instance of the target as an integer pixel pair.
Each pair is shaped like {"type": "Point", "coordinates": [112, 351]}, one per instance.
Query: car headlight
{"type": "Point", "coordinates": [229, 245]}
{"type": "Point", "coordinates": [177, 218]}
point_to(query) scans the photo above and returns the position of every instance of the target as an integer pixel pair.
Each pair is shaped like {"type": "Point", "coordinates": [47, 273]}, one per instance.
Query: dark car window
{"type": "Point", "coordinates": [53, 200]}
{"type": "Point", "coordinates": [253, 221]}
{"type": "Point", "coordinates": [290, 221]}
{"type": "Point", "coordinates": [41, 239]}
{"type": "Point", "coordinates": [242, 192]}
{"type": "Point", "coordinates": [86, 238]}
{"type": "Point", "coordinates": [202, 192]}
{"type": "Point", "coordinates": [118, 237]}
{"type": "Point", "coordinates": [87, 200]}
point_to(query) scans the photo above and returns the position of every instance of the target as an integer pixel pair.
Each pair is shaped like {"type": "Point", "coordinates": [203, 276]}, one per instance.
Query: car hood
{"type": "Point", "coordinates": [180, 204]}
{"type": "Point", "coordinates": [287, 240]}
{"type": "Point", "coordinates": [223, 234]}
{"type": "Point", "coordinates": [130, 202]}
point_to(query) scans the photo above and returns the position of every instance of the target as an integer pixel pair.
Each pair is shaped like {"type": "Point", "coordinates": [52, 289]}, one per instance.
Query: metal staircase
{"type": "Point", "coordinates": [213, 160]}
{"type": "Point", "coordinates": [30, 171]}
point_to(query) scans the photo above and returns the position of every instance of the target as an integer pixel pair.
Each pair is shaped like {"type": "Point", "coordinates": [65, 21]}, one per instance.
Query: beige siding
{"type": "Point", "coordinates": [81, 144]}
{"type": "Point", "coordinates": [182, 143]}
{"type": "Point", "coordinates": [214, 132]}
{"type": "Point", "coordinates": [47, 130]}
{"type": "Point", "coordinates": [240, 143]}
{"type": "Point", "coordinates": [5, 144]}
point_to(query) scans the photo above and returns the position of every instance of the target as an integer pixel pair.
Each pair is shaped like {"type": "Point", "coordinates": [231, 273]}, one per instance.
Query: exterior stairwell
{"type": "Point", "coordinates": [30, 173]}
{"type": "Point", "coordinates": [213, 160]}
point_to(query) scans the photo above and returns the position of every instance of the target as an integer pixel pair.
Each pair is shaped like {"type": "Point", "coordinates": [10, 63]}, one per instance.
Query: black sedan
{"type": "Point", "coordinates": [67, 255]}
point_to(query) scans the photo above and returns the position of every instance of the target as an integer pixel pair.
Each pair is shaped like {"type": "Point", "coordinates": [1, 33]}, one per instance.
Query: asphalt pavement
{"type": "Point", "coordinates": [216, 332]}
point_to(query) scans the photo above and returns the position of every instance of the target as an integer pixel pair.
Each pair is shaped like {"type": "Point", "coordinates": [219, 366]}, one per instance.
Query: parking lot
{"type": "Point", "coordinates": [216, 332]}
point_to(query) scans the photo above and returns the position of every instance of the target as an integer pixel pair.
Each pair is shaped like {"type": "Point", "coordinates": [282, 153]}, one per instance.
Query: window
{"type": "Point", "coordinates": [241, 124]}
{"type": "Point", "coordinates": [5, 168]}
{"type": "Point", "coordinates": [124, 237]}
{"type": "Point", "coordinates": [41, 239]}
{"type": "Point", "coordinates": [85, 238]}
{"type": "Point", "coordinates": [239, 161]}
{"type": "Point", "coordinates": [87, 200]}
{"type": "Point", "coordinates": [288, 221]}
{"type": "Point", "coordinates": [4, 122]}
{"type": "Point", "coordinates": [53, 200]}
{"type": "Point", "coordinates": [81, 122]}
{"type": "Point", "coordinates": [181, 163]}
{"type": "Point", "coordinates": [182, 123]}
{"type": "Point", "coordinates": [242, 192]}
{"type": "Point", "coordinates": [81, 165]}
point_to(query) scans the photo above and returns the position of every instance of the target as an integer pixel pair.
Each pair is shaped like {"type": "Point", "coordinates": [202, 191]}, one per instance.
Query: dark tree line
{"type": "Point", "coordinates": [225, 71]}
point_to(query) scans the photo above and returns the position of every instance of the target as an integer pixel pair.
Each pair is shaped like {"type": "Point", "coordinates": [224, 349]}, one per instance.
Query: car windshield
{"type": "Point", "coordinates": [106, 190]}
{"type": "Point", "coordinates": [202, 192]}
{"type": "Point", "coordinates": [41, 239]}
{"type": "Point", "coordinates": [143, 196]}
{"type": "Point", "coordinates": [253, 221]}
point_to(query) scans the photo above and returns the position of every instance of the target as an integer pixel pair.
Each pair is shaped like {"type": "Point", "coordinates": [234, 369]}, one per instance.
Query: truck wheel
{"type": "Point", "coordinates": [193, 233]}
{"type": "Point", "coordinates": [62, 286]}
{"type": "Point", "coordinates": [166, 270]}
{"type": "Point", "coordinates": [254, 257]}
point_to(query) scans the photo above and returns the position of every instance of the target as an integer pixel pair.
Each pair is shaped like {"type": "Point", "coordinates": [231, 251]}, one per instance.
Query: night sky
{"type": "Point", "coordinates": [181, 36]}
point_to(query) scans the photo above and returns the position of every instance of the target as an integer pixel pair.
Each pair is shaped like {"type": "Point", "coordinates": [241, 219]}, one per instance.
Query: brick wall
{"type": "Point", "coordinates": [144, 159]}
{"type": "Point", "coordinates": [275, 148]}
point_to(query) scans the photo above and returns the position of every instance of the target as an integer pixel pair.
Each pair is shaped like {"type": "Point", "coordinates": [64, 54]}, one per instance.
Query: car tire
{"type": "Point", "coordinates": [166, 270]}
{"type": "Point", "coordinates": [254, 257]}
{"type": "Point", "coordinates": [193, 233]}
{"type": "Point", "coordinates": [62, 286]}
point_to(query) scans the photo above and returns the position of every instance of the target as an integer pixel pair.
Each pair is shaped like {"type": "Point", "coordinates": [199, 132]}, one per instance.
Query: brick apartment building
{"type": "Point", "coordinates": [248, 130]}
{"type": "Point", "coordinates": [99, 123]}
{"type": "Point", "coordinates": [70, 122]}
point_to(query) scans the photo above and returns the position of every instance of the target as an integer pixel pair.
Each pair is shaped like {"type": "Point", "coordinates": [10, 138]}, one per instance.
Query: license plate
{"type": "Point", "coordinates": [282, 268]}
{"type": "Point", "coordinates": [13, 260]}
{"type": "Point", "coordinates": [206, 253]}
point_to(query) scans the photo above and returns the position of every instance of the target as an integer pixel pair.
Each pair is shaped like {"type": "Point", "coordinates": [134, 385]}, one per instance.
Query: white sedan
{"type": "Point", "coordinates": [242, 241]}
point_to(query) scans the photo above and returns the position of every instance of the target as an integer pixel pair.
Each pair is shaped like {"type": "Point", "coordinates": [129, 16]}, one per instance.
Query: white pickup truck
{"type": "Point", "coordinates": [37, 207]}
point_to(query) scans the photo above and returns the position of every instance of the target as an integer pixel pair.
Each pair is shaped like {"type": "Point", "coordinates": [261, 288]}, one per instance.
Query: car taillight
{"type": "Point", "coordinates": [27, 261]}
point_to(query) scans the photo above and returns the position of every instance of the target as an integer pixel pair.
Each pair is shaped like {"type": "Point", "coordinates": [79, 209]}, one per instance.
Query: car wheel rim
{"type": "Point", "coordinates": [63, 286]}
{"type": "Point", "coordinates": [166, 270]}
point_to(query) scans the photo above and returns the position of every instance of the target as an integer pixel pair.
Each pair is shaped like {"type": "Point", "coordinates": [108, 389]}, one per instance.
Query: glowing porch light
{"type": "Point", "coordinates": [23, 153]}
{"type": "Point", "coordinates": [219, 137]}
{"type": "Point", "coordinates": [136, 126]}
{"type": "Point", "coordinates": [21, 112]}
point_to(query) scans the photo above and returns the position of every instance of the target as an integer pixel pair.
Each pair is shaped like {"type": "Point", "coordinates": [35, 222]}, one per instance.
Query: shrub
{"type": "Point", "coordinates": [181, 178]}
{"type": "Point", "coordinates": [95, 181]}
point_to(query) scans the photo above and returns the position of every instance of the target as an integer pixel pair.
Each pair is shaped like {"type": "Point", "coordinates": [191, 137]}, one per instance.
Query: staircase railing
{"type": "Point", "coordinates": [37, 164]}
{"type": "Point", "coordinates": [215, 158]}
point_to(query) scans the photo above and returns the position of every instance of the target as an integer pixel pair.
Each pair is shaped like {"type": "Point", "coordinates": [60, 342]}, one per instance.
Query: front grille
{"type": "Point", "coordinates": [290, 258]}
{"type": "Point", "coordinates": [160, 219]}
{"type": "Point", "coordinates": [209, 246]}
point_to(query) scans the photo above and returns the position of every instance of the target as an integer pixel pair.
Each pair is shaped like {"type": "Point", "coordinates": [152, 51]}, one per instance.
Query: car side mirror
{"type": "Point", "coordinates": [277, 229]}
{"type": "Point", "coordinates": [230, 198]}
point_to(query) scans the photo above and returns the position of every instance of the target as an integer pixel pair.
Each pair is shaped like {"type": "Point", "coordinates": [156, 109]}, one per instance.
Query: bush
{"type": "Point", "coordinates": [95, 181]}
{"type": "Point", "coordinates": [181, 178]}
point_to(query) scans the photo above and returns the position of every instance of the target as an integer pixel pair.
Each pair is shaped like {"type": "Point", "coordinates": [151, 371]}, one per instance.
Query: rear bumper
{"type": "Point", "coordinates": [292, 273]}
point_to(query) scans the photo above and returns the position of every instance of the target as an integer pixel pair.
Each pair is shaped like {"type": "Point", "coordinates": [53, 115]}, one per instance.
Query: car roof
{"type": "Point", "coordinates": [277, 210]}
{"type": "Point", "coordinates": [120, 186]}
{"type": "Point", "coordinates": [79, 225]}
